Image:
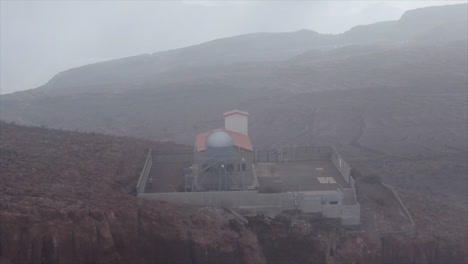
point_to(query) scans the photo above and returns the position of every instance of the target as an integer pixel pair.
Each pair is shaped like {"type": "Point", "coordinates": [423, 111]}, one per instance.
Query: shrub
{"type": "Point", "coordinates": [372, 179]}
{"type": "Point", "coordinates": [380, 201]}
{"type": "Point", "coordinates": [356, 173]}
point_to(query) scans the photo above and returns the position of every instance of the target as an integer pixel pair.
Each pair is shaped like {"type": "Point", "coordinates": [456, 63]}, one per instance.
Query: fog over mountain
{"type": "Point", "coordinates": [39, 39]}
{"type": "Point", "coordinates": [424, 48]}
{"type": "Point", "coordinates": [175, 94]}
{"type": "Point", "coordinates": [390, 97]}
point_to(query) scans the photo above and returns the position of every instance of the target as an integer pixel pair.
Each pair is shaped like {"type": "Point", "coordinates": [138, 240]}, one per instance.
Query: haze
{"type": "Point", "coordinates": [234, 132]}
{"type": "Point", "coordinates": [40, 39]}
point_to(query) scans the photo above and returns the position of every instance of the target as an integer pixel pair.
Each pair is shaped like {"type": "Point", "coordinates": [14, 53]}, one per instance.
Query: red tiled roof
{"type": "Point", "coordinates": [236, 112]}
{"type": "Point", "coordinates": [240, 140]}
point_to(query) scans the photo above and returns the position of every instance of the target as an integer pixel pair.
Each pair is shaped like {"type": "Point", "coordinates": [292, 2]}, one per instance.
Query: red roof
{"type": "Point", "coordinates": [240, 140]}
{"type": "Point", "coordinates": [236, 112]}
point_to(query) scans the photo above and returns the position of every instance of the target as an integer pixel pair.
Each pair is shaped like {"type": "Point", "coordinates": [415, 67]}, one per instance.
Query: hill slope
{"type": "Point", "coordinates": [65, 199]}
{"type": "Point", "coordinates": [184, 103]}
{"type": "Point", "coordinates": [395, 105]}
{"type": "Point", "coordinates": [128, 96]}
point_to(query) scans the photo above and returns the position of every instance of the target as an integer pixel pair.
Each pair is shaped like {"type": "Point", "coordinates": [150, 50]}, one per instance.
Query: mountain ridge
{"type": "Point", "coordinates": [393, 108]}
{"type": "Point", "coordinates": [263, 47]}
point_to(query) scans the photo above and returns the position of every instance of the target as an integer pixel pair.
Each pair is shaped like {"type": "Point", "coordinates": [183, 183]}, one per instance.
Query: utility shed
{"type": "Point", "coordinates": [237, 121]}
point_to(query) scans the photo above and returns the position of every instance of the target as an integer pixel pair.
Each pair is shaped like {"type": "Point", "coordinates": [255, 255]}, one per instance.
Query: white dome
{"type": "Point", "coordinates": [219, 139]}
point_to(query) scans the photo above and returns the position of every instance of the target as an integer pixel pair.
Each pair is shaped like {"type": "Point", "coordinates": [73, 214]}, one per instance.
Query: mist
{"type": "Point", "coordinates": [233, 132]}
{"type": "Point", "coordinates": [40, 39]}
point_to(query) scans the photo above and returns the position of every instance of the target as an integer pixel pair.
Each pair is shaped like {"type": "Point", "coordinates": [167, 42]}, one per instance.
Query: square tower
{"type": "Point", "coordinates": [236, 121]}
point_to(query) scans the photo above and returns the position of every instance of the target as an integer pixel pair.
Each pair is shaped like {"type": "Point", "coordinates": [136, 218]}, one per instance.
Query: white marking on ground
{"type": "Point", "coordinates": [326, 180]}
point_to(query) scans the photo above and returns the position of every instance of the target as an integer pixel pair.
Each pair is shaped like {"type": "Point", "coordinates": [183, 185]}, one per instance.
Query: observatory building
{"type": "Point", "coordinates": [223, 157]}
{"type": "Point", "coordinates": [224, 170]}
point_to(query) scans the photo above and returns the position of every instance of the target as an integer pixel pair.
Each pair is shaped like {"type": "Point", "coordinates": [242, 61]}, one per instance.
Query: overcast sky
{"type": "Point", "coordinates": [39, 39]}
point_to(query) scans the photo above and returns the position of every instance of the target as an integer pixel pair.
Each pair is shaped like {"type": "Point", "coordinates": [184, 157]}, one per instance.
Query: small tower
{"type": "Point", "coordinates": [223, 157]}
{"type": "Point", "coordinates": [236, 121]}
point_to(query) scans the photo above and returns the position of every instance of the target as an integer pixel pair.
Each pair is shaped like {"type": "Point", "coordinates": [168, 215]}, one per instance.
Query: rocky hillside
{"type": "Point", "coordinates": [173, 95]}
{"type": "Point", "coordinates": [390, 96]}
{"type": "Point", "coordinates": [180, 104]}
{"type": "Point", "coordinates": [66, 198]}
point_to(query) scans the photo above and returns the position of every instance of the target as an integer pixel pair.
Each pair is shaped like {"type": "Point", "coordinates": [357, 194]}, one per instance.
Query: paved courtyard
{"type": "Point", "coordinates": [314, 175]}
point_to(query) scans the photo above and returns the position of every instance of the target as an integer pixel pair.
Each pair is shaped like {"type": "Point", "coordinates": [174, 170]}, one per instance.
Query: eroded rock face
{"type": "Point", "coordinates": [140, 235]}
{"type": "Point", "coordinates": [422, 249]}
{"type": "Point", "coordinates": [154, 232]}
{"type": "Point", "coordinates": [290, 239]}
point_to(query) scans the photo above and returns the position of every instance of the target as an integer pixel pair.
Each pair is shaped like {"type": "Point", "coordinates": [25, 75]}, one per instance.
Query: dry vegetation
{"type": "Point", "coordinates": [66, 198]}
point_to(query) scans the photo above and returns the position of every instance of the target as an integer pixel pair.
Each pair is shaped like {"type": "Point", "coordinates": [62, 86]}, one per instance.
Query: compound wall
{"type": "Point", "coordinates": [144, 173]}
{"type": "Point", "coordinates": [235, 199]}
{"type": "Point", "coordinates": [342, 166]}
{"type": "Point", "coordinates": [157, 157]}
{"type": "Point", "coordinates": [349, 213]}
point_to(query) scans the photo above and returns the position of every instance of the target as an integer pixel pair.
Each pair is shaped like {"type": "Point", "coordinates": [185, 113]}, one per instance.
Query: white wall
{"type": "Point", "coordinates": [224, 199]}
{"type": "Point", "coordinates": [237, 123]}
{"type": "Point", "coordinates": [349, 214]}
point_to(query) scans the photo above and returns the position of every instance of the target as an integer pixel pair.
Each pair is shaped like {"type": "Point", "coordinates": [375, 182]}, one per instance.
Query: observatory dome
{"type": "Point", "coordinates": [219, 139]}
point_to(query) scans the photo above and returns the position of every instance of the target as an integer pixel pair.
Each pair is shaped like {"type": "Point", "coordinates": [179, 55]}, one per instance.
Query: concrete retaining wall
{"type": "Point", "coordinates": [233, 199]}
{"type": "Point", "coordinates": [326, 197]}
{"type": "Point", "coordinates": [311, 205]}
{"type": "Point", "coordinates": [349, 214]}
